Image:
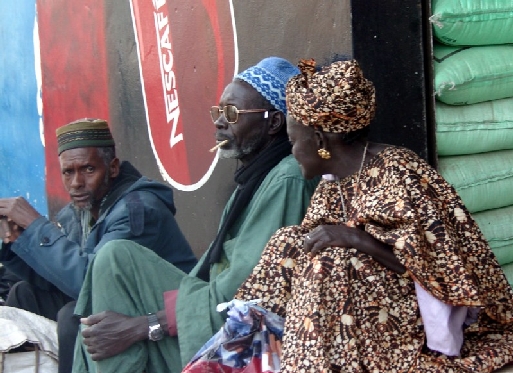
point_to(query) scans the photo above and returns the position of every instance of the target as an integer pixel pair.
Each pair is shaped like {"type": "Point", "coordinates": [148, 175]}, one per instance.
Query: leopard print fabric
{"type": "Point", "coordinates": [347, 313]}
{"type": "Point", "coordinates": [335, 99]}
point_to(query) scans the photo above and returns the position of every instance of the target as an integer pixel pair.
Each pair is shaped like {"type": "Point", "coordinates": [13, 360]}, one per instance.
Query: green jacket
{"type": "Point", "coordinates": [281, 200]}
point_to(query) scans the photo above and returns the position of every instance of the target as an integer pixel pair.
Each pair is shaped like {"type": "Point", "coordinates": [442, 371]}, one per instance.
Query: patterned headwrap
{"type": "Point", "coordinates": [336, 99]}
{"type": "Point", "coordinates": [269, 78]}
{"type": "Point", "coordinates": [84, 133]}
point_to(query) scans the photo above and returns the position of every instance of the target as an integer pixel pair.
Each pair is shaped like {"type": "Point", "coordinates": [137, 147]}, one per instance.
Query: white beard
{"type": "Point", "coordinates": [230, 153]}
{"type": "Point", "coordinates": [239, 153]}
{"type": "Point", "coordinates": [85, 220]}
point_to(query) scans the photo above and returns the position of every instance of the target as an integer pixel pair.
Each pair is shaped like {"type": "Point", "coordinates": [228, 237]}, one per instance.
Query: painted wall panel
{"type": "Point", "coordinates": [115, 60]}
{"type": "Point", "coordinates": [22, 159]}
{"type": "Point", "coordinates": [177, 81]}
{"type": "Point", "coordinates": [74, 74]}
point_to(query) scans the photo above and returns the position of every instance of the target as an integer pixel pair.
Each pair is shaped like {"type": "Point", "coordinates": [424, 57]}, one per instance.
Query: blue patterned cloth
{"type": "Point", "coordinates": [250, 336]}
{"type": "Point", "coordinates": [269, 77]}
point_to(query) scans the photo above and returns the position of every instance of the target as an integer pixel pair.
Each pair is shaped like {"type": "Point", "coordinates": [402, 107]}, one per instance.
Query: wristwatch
{"type": "Point", "coordinates": [155, 332]}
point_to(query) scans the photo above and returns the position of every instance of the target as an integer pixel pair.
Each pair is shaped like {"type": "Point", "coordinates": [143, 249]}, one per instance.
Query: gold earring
{"type": "Point", "coordinates": [324, 154]}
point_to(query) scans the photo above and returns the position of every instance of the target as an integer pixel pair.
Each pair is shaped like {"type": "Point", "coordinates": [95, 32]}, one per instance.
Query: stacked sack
{"type": "Point", "coordinates": [473, 72]}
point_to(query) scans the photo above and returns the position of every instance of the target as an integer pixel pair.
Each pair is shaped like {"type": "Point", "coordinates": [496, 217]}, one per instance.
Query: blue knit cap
{"type": "Point", "coordinates": [269, 77]}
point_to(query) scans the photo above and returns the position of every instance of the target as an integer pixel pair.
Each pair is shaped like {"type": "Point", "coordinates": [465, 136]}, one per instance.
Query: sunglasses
{"type": "Point", "coordinates": [231, 113]}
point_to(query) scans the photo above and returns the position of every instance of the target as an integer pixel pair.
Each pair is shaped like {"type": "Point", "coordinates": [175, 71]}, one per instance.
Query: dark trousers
{"type": "Point", "coordinates": [67, 329]}
{"type": "Point", "coordinates": [54, 305]}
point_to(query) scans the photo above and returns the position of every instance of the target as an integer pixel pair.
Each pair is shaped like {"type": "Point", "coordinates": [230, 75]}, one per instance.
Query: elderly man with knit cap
{"type": "Point", "coordinates": [109, 200]}
{"type": "Point", "coordinates": [118, 333]}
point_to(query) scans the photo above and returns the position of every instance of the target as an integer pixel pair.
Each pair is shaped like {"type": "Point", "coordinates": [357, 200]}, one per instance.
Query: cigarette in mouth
{"type": "Point", "coordinates": [219, 145]}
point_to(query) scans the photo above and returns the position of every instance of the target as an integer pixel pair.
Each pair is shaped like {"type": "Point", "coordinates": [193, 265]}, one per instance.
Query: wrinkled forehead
{"type": "Point", "coordinates": [79, 156]}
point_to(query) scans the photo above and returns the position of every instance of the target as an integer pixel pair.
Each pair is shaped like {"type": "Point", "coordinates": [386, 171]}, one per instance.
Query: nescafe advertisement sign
{"type": "Point", "coordinates": [187, 55]}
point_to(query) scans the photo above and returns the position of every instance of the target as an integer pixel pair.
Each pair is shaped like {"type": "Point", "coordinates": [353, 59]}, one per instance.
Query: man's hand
{"type": "Point", "coordinates": [9, 230]}
{"type": "Point", "coordinates": [19, 211]}
{"type": "Point", "coordinates": [110, 333]}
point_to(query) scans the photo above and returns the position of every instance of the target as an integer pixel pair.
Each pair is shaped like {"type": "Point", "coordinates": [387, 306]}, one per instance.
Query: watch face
{"type": "Point", "coordinates": [156, 333]}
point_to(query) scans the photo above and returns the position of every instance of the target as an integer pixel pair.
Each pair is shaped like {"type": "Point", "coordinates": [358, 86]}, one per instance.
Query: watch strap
{"type": "Point", "coordinates": [153, 319]}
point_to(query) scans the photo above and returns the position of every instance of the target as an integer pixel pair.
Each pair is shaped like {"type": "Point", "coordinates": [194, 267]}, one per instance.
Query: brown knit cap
{"type": "Point", "coordinates": [82, 133]}
{"type": "Point", "coordinates": [336, 99]}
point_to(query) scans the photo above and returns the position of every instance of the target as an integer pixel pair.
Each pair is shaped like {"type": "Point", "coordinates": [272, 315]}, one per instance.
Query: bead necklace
{"type": "Point", "coordinates": [357, 183]}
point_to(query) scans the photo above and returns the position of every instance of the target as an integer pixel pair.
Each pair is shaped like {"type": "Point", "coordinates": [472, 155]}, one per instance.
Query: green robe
{"type": "Point", "coordinates": [281, 200]}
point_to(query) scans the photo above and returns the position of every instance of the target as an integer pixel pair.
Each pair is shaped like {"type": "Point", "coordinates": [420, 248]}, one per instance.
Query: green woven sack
{"type": "Point", "coordinates": [472, 22]}
{"type": "Point", "coordinates": [468, 75]}
{"type": "Point", "coordinates": [478, 128]}
{"type": "Point", "coordinates": [483, 181]}
{"type": "Point", "coordinates": [497, 227]}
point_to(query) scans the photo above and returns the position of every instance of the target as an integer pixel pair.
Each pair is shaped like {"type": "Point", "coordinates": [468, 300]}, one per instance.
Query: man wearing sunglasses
{"type": "Point", "coordinates": [174, 314]}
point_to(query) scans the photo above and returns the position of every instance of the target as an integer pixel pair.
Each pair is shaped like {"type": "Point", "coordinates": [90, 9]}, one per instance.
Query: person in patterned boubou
{"type": "Point", "coordinates": [388, 271]}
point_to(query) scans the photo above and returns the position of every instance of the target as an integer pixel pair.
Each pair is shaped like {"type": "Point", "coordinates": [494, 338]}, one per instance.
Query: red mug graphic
{"type": "Point", "coordinates": [187, 55]}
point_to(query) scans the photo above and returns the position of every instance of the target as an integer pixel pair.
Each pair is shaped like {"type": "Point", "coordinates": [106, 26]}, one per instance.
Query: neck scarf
{"type": "Point", "coordinates": [248, 178]}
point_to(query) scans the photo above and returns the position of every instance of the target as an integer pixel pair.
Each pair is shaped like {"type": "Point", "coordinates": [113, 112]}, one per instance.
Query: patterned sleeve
{"type": "Point", "coordinates": [434, 236]}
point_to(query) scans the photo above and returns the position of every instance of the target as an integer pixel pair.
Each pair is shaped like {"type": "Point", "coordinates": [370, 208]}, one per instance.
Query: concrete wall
{"type": "Point", "coordinates": [152, 69]}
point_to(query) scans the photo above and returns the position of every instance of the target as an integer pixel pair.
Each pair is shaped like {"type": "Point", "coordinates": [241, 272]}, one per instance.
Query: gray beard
{"type": "Point", "coordinates": [87, 207]}
{"type": "Point", "coordinates": [85, 223]}
{"type": "Point", "coordinates": [239, 153]}
{"type": "Point", "coordinates": [230, 154]}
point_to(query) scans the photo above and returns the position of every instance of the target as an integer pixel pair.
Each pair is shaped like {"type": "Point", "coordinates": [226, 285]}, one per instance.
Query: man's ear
{"type": "Point", "coordinates": [277, 121]}
{"type": "Point", "coordinates": [114, 168]}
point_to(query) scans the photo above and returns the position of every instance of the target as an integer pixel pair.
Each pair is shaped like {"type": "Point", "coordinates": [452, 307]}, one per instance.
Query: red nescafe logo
{"type": "Point", "coordinates": [187, 56]}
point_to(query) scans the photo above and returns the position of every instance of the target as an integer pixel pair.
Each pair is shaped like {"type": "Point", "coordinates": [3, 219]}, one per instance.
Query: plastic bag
{"type": "Point", "coordinates": [249, 342]}
{"type": "Point", "coordinates": [22, 328]}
